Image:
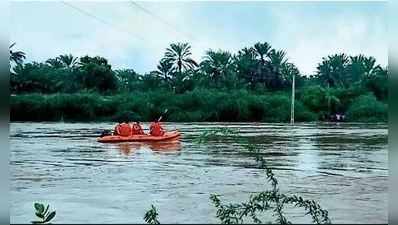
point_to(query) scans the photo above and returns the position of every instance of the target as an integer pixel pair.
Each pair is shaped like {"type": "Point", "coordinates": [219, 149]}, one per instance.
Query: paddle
{"type": "Point", "coordinates": [105, 132]}
{"type": "Point", "coordinates": [160, 118]}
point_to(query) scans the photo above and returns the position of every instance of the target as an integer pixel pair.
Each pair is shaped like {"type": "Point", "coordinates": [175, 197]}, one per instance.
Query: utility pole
{"type": "Point", "coordinates": [292, 106]}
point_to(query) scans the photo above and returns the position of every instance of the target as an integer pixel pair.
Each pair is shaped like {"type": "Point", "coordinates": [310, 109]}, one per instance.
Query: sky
{"type": "Point", "coordinates": [135, 35]}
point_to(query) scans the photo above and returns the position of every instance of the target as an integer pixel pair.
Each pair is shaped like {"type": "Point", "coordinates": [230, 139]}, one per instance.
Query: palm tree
{"type": "Point", "coordinates": [377, 82]}
{"type": "Point", "coordinates": [332, 71]}
{"type": "Point", "coordinates": [324, 73]}
{"type": "Point", "coordinates": [179, 55]}
{"type": "Point", "coordinates": [380, 71]}
{"type": "Point", "coordinates": [245, 62]}
{"type": "Point", "coordinates": [262, 50]}
{"type": "Point", "coordinates": [164, 69]}
{"type": "Point", "coordinates": [217, 64]}
{"type": "Point", "coordinates": [361, 67]}
{"type": "Point", "coordinates": [277, 60]}
{"type": "Point", "coordinates": [55, 63]}
{"type": "Point", "coordinates": [356, 68]}
{"type": "Point", "coordinates": [127, 78]}
{"type": "Point", "coordinates": [16, 56]}
{"type": "Point", "coordinates": [289, 70]}
{"type": "Point", "coordinates": [338, 64]}
{"type": "Point", "coordinates": [68, 61]}
{"type": "Point", "coordinates": [262, 70]}
{"type": "Point", "coordinates": [370, 66]}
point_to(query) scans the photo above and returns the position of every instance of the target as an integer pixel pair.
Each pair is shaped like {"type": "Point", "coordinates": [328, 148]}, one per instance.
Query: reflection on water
{"type": "Point", "coordinates": [128, 148]}
{"type": "Point", "coordinates": [343, 166]}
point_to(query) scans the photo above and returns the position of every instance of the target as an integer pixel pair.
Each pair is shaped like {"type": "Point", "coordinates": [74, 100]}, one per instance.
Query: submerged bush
{"type": "Point", "coordinates": [43, 214]}
{"type": "Point", "coordinates": [267, 201]}
{"type": "Point", "coordinates": [151, 216]}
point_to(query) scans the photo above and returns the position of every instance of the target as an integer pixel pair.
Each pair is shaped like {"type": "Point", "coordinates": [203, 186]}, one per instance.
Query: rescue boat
{"type": "Point", "coordinates": [171, 135]}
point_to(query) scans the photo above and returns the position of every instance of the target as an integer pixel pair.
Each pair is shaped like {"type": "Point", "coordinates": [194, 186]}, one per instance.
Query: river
{"type": "Point", "coordinates": [342, 166]}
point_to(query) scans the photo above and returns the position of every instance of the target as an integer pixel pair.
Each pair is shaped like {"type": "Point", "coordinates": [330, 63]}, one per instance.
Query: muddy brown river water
{"type": "Point", "coordinates": [342, 166]}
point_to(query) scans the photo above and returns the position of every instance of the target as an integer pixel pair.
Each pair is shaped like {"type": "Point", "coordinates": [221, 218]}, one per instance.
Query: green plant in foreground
{"type": "Point", "coordinates": [43, 213]}
{"type": "Point", "coordinates": [270, 200]}
{"type": "Point", "coordinates": [151, 216]}
{"type": "Point", "coordinates": [215, 133]}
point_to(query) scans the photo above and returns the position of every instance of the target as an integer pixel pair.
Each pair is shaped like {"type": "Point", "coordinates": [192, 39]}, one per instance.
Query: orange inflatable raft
{"type": "Point", "coordinates": [172, 135]}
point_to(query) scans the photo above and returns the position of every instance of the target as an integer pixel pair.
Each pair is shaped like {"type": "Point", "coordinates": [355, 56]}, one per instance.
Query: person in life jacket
{"type": "Point", "coordinates": [136, 128]}
{"type": "Point", "coordinates": [156, 129]}
{"type": "Point", "coordinates": [117, 127]}
{"type": "Point", "coordinates": [123, 129]}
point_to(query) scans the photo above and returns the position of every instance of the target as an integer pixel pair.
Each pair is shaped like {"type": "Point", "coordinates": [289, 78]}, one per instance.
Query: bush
{"type": "Point", "coordinates": [126, 116]}
{"type": "Point", "coordinates": [302, 113]}
{"type": "Point", "coordinates": [28, 108]}
{"type": "Point", "coordinates": [80, 107]}
{"type": "Point", "coordinates": [367, 108]}
{"type": "Point", "coordinates": [278, 109]}
{"type": "Point", "coordinates": [313, 97]}
{"type": "Point", "coordinates": [257, 108]}
{"type": "Point", "coordinates": [197, 105]}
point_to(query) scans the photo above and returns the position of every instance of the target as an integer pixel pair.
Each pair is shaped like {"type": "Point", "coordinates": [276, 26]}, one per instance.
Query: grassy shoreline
{"type": "Point", "coordinates": [194, 106]}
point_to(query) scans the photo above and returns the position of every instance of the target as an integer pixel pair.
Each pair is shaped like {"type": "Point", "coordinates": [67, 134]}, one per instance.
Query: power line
{"type": "Point", "coordinates": [161, 20]}
{"type": "Point", "coordinates": [103, 21]}
{"type": "Point", "coordinates": [134, 35]}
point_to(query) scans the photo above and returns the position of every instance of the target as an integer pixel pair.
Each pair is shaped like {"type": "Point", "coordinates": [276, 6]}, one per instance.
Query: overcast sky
{"type": "Point", "coordinates": [136, 37]}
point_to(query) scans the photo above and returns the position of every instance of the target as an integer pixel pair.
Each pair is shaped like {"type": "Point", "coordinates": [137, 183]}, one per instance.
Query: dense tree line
{"type": "Point", "coordinates": [340, 81]}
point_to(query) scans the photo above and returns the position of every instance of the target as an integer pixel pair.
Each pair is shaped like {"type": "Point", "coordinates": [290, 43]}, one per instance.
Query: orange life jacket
{"type": "Point", "coordinates": [137, 129]}
{"type": "Point", "coordinates": [123, 129]}
{"type": "Point", "coordinates": [156, 129]}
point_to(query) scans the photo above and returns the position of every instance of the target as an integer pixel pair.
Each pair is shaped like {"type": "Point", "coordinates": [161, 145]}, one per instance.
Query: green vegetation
{"type": "Point", "coordinates": [151, 216]}
{"type": "Point", "coordinates": [267, 201]}
{"type": "Point", "coordinates": [196, 105]}
{"type": "Point", "coordinates": [255, 209]}
{"type": "Point", "coordinates": [253, 84]}
{"type": "Point", "coordinates": [43, 213]}
{"type": "Point", "coordinates": [367, 109]}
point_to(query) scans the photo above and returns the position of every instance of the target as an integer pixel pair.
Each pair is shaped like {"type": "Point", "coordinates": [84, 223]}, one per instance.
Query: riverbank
{"type": "Point", "coordinates": [199, 105]}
